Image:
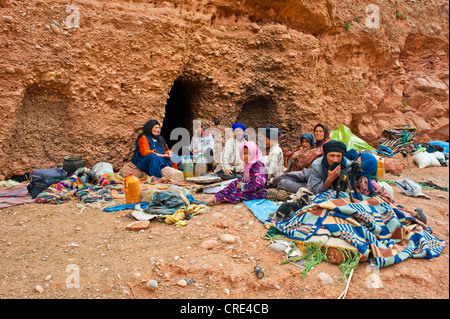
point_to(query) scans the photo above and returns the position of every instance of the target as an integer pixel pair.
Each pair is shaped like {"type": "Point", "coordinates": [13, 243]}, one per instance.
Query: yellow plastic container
{"type": "Point", "coordinates": [132, 189]}
{"type": "Point", "coordinates": [381, 170]}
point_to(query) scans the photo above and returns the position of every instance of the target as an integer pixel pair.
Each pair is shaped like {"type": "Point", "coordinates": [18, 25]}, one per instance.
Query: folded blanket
{"type": "Point", "coordinates": [382, 233]}
{"type": "Point", "coordinates": [16, 195]}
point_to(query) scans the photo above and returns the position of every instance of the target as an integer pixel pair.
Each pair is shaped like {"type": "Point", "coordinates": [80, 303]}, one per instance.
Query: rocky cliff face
{"type": "Point", "coordinates": [87, 88]}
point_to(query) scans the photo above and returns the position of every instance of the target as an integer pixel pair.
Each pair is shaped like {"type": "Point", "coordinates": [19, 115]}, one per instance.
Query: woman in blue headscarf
{"type": "Point", "coordinates": [307, 153]}
{"type": "Point", "coordinates": [367, 182]}
{"type": "Point", "coordinates": [231, 165]}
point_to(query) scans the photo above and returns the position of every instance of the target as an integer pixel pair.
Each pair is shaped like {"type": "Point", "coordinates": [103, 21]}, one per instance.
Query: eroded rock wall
{"type": "Point", "coordinates": [88, 90]}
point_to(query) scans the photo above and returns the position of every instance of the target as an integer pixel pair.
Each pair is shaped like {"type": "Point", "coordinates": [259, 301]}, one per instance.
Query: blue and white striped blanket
{"type": "Point", "coordinates": [382, 233]}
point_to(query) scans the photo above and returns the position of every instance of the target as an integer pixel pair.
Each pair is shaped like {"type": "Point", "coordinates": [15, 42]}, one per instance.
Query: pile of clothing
{"type": "Point", "coordinates": [397, 139]}
{"type": "Point", "coordinates": [84, 184]}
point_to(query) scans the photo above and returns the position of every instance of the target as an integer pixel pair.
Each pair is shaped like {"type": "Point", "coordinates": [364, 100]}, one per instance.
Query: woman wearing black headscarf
{"type": "Point", "coordinates": [326, 169]}
{"type": "Point", "coordinates": [151, 153]}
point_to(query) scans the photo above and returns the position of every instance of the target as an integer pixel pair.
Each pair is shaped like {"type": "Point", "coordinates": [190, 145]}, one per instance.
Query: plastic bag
{"type": "Point", "coordinates": [410, 188]}
{"type": "Point", "coordinates": [102, 168]}
{"type": "Point", "coordinates": [344, 135]}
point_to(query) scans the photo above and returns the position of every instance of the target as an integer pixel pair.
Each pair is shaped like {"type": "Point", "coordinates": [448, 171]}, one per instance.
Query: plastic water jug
{"type": "Point", "coordinates": [132, 189]}
{"type": "Point", "coordinates": [380, 170]}
{"type": "Point", "coordinates": [200, 166]}
{"type": "Point", "coordinates": [188, 168]}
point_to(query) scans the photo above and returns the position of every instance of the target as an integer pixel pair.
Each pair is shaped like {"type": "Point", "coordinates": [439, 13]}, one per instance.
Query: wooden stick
{"type": "Point", "coordinates": [342, 295]}
{"type": "Point", "coordinates": [131, 290]}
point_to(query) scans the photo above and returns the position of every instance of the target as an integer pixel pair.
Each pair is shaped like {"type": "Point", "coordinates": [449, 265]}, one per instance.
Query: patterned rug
{"type": "Point", "coordinates": [383, 234]}
{"type": "Point", "coordinates": [16, 195]}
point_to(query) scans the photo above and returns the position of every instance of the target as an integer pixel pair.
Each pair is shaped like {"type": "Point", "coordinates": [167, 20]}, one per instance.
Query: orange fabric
{"type": "Point", "coordinates": [144, 146]}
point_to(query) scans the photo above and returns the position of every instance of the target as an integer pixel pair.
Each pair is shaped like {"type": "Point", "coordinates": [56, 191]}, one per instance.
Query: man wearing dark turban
{"type": "Point", "coordinates": [326, 169]}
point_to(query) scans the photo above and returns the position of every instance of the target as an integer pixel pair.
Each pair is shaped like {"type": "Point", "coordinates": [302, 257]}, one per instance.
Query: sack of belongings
{"type": "Point", "coordinates": [42, 178]}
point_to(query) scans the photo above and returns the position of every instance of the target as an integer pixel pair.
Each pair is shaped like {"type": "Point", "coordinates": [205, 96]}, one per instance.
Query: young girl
{"type": "Point", "coordinates": [254, 181]}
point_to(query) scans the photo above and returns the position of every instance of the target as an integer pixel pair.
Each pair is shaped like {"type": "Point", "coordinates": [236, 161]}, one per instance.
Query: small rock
{"type": "Point", "coordinates": [39, 289]}
{"type": "Point", "coordinates": [325, 278]}
{"type": "Point", "coordinates": [8, 19]}
{"type": "Point", "coordinates": [277, 247]}
{"type": "Point", "coordinates": [88, 45]}
{"type": "Point", "coordinates": [222, 28]}
{"type": "Point", "coordinates": [227, 238]}
{"type": "Point", "coordinates": [126, 292]}
{"type": "Point", "coordinates": [209, 244]}
{"type": "Point", "coordinates": [54, 28]}
{"type": "Point", "coordinates": [226, 291]}
{"type": "Point", "coordinates": [138, 225]}
{"type": "Point", "coordinates": [10, 70]}
{"type": "Point", "coordinates": [48, 278]}
{"type": "Point", "coordinates": [140, 215]}
{"type": "Point", "coordinates": [152, 284]}
{"type": "Point", "coordinates": [182, 283]}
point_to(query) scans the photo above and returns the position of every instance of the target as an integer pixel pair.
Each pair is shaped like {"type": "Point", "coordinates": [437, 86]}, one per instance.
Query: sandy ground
{"type": "Point", "coordinates": [71, 252]}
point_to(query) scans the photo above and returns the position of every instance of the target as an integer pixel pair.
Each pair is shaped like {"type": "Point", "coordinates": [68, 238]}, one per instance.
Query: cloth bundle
{"type": "Point", "coordinates": [380, 232]}
{"type": "Point", "coordinates": [84, 183]}
{"type": "Point", "coordinates": [395, 140]}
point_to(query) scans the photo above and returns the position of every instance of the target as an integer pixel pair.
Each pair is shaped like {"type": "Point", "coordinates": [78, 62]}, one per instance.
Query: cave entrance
{"type": "Point", "coordinates": [179, 112]}
{"type": "Point", "coordinates": [255, 114]}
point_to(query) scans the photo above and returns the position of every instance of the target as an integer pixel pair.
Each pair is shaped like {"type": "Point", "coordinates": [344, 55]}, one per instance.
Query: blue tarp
{"type": "Point", "coordinates": [261, 208]}
{"type": "Point", "coordinates": [443, 144]}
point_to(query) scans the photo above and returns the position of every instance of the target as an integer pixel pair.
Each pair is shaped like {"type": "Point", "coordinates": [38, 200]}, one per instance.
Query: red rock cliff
{"type": "Point", "coordinates": [87, 89]}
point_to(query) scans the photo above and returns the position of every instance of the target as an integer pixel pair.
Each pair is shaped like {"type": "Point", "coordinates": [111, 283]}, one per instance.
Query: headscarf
{"type": "Point", "coordinates": [147, 131]}
{"type": "Point", "coordinates": [309, 137]}
{"type": "Point", "coordinates": [369, 163]}
{"type": "Point", "coordinates": [239, 125]}
{"type": "Point", "coordinates": [270, 130]}
{"type": "Point", "coordinates": [333, 146]}
{"type": "Point", "coordinates": [255, 153]}
{"type": "Point", "coordinates": [326, 134]}
{"type": "Point", "coordinates": [369, 166]}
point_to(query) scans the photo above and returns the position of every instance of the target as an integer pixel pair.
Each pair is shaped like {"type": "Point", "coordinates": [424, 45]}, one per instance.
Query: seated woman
{"type": "Point", "coordinates": [254, 181]}
{"type": "Point", "coordinates": [297, 173]}
{"type": "Point", "coordinates": [321, 134]}
{"type": "Point", "coordinates": [151, 153]}
{"type": "Point", "coordinates": [306, 154]}
{"type": "Point", "coordinates": [231, 164]}
{"type": "Point", "coordinates": [322, 179]}
{"type": "Point", "coordinates": [367, 182]}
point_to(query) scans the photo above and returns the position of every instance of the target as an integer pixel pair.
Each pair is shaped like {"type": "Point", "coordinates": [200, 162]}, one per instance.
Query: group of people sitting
{"type": "Point", "coordinates": [312, 165]}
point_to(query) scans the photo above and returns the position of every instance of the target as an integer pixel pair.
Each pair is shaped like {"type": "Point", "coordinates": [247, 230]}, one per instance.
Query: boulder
{"type": "Point", "coordinates": [393, 166]}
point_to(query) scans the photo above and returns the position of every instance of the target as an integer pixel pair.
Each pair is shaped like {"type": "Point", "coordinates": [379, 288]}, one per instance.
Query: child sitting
{"type": "Point", "coordinates": [254, 180]}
